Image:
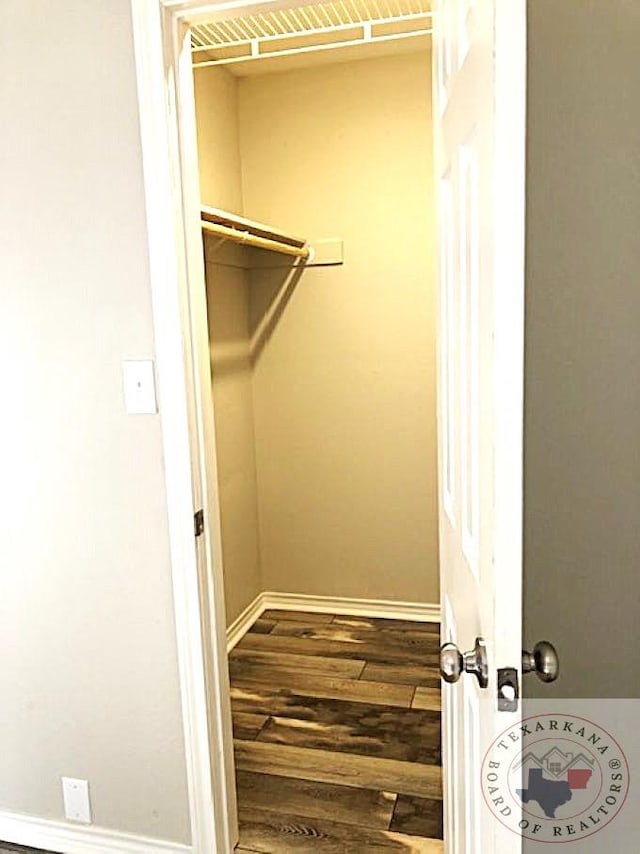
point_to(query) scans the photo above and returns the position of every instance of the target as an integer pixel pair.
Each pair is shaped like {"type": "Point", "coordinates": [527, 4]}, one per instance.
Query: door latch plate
{"type": "Point", "coordinates": [508, 689]}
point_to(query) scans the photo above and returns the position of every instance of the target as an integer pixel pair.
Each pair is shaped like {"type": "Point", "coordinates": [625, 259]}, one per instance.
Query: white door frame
{"type": "Point", "coordinates": [168, 136]}
{"type": "Point", "coordinates": [169, 155]}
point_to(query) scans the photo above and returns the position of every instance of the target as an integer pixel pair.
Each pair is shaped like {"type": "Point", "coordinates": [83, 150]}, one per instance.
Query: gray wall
{"type": "Point", "coordinates": [87, 653]}
{"type": "Point", "coordinates": [582, 413]}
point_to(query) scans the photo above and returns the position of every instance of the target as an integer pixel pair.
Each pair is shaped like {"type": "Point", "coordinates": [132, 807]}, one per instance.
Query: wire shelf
{"type": "Point", "coordinates": [306, 28]}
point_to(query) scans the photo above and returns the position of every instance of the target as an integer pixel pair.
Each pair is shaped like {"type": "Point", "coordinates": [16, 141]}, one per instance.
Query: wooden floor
{"type": "Point", "coordinates": [337, 735]}
{"type": "Point", "coordinates": [9, 848]}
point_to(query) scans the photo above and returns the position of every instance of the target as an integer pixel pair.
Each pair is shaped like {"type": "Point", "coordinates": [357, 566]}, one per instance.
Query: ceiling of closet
{"type": "Point", "coordinates": [306, 35]}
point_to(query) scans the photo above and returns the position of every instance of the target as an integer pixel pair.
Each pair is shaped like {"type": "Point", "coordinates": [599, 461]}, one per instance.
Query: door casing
{"type": "Point", "coordinates": [168, 137]}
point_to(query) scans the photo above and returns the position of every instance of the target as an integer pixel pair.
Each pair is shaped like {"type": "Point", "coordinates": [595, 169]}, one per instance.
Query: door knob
{"type": "Point", "coordinates": [543, 661]}
{"type": "Point", "coordinates": [454, 663]}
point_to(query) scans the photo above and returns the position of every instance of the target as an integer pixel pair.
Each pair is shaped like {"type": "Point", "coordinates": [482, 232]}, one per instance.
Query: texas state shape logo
{"type": "Point", "coordinates": [553, 777]}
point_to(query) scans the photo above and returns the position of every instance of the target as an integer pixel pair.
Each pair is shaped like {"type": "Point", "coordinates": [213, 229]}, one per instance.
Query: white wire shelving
{"type": "Point", "coordinates": [283, 32]}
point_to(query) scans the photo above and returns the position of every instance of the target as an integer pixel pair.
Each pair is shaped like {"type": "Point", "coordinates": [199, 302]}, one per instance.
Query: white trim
{"type": "Point", "coordinates": [183, 116]}
{"type": "Point", "coordinates": [419, 612]}
{"type": "Point", "coordinates": [168, 297]}
{"type": "Point", "coordinates": [509, 195]}
{"type": "Point", "coordinates": [243, 622]}
{"type": "Point", "coordinates": [74, 839]}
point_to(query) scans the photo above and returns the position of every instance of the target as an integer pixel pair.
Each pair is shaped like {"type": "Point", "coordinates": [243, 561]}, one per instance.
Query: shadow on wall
{"type": "Point", "coordinates": [272, 289]}
{"type": "Point", "coordinates": [247, 293]}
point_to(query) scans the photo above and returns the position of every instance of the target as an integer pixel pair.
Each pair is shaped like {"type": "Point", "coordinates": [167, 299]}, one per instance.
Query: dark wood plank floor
{"type": "Point", "coordinates": [10, 848]}
{"type": "Point", "coordinates": [337, 735]}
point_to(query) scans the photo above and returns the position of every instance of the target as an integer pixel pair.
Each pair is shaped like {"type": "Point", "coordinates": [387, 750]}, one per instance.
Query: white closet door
{"type": "Point", "coordinates": [479, 116]}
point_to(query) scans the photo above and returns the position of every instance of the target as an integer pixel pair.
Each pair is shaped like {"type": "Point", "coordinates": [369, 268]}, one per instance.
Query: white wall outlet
{"type": "Point", "coordinates": [139, 387]}
{"type": "Point", "coordinates": [77, 806]}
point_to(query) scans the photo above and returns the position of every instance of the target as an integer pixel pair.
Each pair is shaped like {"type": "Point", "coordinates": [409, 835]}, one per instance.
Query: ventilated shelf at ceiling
{"type": "Point", "coordinates": [283, 32]}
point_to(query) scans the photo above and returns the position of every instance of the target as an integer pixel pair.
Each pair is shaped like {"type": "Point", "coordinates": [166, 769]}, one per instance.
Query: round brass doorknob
{"type": "Point", "coordinates": [543, 661]}
{"type": "Point", "coordinates": [454, 663]}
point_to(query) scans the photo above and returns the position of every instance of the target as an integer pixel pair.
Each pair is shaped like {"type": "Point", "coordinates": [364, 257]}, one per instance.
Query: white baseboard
{"type": "Point", "coordinates": [417, 611]}
{"type": "Point", "coordinates": [68, 838]}
{"type": "Point", "coordinates": [422, 612]}
{"type": "Point", "coordinates": [243, 622]}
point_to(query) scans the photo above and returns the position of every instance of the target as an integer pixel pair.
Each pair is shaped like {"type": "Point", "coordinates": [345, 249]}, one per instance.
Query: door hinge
{"type": "Point", "coordinates": [508, 689]}
{"type": "Point", "coordinates": [198, 522]}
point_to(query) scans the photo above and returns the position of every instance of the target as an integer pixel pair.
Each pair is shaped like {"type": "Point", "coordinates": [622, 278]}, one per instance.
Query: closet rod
{"type": "Point", "coordinates": [248, 239]}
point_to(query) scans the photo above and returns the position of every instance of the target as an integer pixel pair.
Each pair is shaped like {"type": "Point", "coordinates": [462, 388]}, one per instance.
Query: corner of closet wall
{"type": "Point", "coordinates": [227, 285]}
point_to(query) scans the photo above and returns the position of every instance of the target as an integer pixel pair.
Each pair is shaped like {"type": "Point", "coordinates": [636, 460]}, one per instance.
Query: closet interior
{"type": "Point", "coordinates": [315, 158]}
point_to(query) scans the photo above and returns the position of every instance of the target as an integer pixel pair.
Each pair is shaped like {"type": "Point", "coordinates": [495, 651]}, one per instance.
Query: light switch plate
{"type": "Point", "coordinates": [139, 387]}
{"type": "Point", "coordinates": [77, 806]}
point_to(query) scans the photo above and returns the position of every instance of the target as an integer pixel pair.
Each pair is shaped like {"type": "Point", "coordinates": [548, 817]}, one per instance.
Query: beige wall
{"type": "Point", "coordinates": [582, 420]}
{"type": "Point", "coordinates": [228, 310]}
{"type": "Point", "coordinates": [88, 655]}
{"type": "Point", "coordinates": [218, 143]}
{"type": "Point", "coordinates": [344, 383]}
